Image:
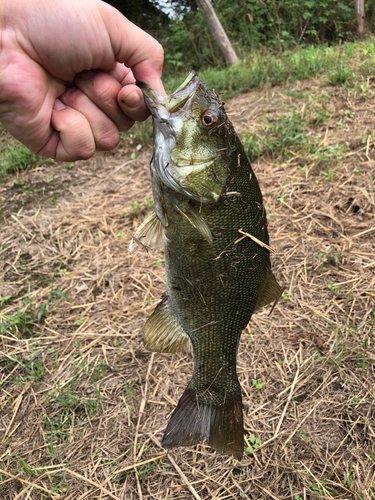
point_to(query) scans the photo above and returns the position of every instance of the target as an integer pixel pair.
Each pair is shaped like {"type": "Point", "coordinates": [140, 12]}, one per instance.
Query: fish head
{"type": "Point", "coordinates": [190, 140]}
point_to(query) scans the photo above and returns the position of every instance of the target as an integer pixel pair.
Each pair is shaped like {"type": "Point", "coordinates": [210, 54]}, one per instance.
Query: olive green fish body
{"type": "Point", "coordinates": [215, 275]}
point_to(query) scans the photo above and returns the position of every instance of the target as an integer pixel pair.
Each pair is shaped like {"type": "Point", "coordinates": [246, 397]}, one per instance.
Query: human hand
{"type": "Point", "coordinates": [67, 74]}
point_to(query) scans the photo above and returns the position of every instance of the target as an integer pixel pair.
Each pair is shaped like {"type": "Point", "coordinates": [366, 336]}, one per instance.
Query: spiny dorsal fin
{"type": "Point", "coordinates": [270, 290]}
{"type": "Point", "coordinates": [196, 220]}
{"type": "Point", "coordinates": [162, 331]}
{"type": "Point", "coordinates": [150, 234]}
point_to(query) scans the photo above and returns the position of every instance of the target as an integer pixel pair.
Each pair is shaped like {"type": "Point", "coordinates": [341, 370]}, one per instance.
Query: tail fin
{"type": "Point", "coordinates": [193, 420]}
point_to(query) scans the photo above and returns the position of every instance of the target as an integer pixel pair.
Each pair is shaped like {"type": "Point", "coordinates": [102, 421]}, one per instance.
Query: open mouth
{"type": "Point", "coordinates": [161, 106]}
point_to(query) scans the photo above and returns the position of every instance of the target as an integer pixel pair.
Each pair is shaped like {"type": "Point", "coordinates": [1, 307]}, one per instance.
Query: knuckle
{"type": "Point", "coordinates": [108, 141]}
{"type": "Point", "coordinates": [86, 151]}
{"type": "Point", "coordinates": [159, 54]}
{"type": "Point", "coordinates": [73, 97]}
{"type": "Point", "coordinates": [107, 90]}
{"type": "Point", "coordinates": [159, 50]}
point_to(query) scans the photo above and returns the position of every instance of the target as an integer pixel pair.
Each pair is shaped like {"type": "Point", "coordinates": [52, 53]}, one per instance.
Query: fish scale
{"type": "Point", "coordinates": [215, 276]}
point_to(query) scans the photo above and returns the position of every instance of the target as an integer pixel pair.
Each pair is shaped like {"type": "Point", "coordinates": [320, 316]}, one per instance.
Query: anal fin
{"type": "Point", "coordinates": [270, 290]}
{"type": "Point", "coordinates": [150, 234]}
{"type": "Point", "coordinates": [162, 332]}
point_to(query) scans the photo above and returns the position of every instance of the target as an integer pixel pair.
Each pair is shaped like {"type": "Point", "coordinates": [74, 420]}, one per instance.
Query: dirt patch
{"type": "Point", "coordinates": [86, 418]}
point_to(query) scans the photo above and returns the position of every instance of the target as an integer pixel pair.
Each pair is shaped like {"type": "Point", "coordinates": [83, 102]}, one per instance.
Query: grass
{"type": "Point", "coordinates": [23, 319]}
{"type": "Point", "coordinates": [291, 136]}
{"type": "Point", "coordinates": [89, 413]}
{"type": "Point", "coordinates": [15, 157]}
{"type": "Point", "coordinates": [342, 64]}
{"type": "Point", "coordinates": [347, 64]}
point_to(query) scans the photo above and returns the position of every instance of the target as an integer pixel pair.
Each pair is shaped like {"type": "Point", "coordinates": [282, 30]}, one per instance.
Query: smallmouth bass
{"type": "Point", "coordinates": [210, 218]}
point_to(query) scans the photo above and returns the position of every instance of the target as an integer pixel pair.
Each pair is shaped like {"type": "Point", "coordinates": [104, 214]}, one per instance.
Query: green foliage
{"type": "Point", "coordinates": [330, 256]}
{"type": "Point", "coordinates": [288, 136]}
{"type": "Point", "coordinates": [254, 443]}
{"type": "Point", "coordinates": [144, 13]}
{"type": "Point", "coordinates": [341, 75]}
{"type": "Point", "coordinates": [287, 22]}
{"type": "Point", "coordinates": [251, 24]}
{"type": "Point", "coordinates": [24, 318]}
{"type": "Point", "coordinates": [15, 157]}
{"type": "Point", "coordinates": [138, 209]}
{"type": "Point", "coordinates": [258, 384]}
{"type": "Point", "coordinates": [264, 67]}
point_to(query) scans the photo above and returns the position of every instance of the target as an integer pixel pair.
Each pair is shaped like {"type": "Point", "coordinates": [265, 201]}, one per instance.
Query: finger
{"type": "Point", "coordinates": [122, 74]}
{"type": "Point", "coordinates": [103, 90]}
{"type": "Point", "coordinates": [73, 139]}
{"type": "Point", "coordinates": [132, 102]}
{"type": "Point", "coordinates": [135, 48]}
{"type": "Point", "coordinates": [105, 132]}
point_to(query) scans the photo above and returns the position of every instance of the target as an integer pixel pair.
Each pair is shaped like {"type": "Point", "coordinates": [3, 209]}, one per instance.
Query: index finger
{"type": "Point", "coordinates": [135, 48]}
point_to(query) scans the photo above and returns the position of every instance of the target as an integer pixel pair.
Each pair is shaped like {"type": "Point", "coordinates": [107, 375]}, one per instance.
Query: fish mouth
{"type": "Point", "coordinates": [160, 105]}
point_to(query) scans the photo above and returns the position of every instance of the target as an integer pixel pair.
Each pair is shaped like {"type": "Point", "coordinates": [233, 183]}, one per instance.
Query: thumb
{"type": "Point", "coordinates": [132, 46]}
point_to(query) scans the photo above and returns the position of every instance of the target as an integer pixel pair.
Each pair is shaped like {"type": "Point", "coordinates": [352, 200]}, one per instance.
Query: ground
{"type": "Point", "coordinates": [85, 419]}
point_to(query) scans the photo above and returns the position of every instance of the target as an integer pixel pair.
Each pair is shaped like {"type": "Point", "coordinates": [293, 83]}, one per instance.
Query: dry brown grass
{"type": "Point", "coordinates": [85, 420]}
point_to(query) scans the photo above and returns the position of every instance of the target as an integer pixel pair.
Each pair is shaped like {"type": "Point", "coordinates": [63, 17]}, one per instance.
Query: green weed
{"type": "Point", "coordinates": [289, 137]}
{"type": "Point", "coordinates": [330, 256]}
{"type": "Point", "coordinates": [19, 323]}
{"type": "Point", "coordinates": [258, 384]}
{"type": "Point", "coordinates": [24, 319]}
{"type": "Point", "coordinates": [254, 443]}
{"type": "Point", "coordinates": [66, 398]}
{"type": "Point", "coordinates": [262, 66]}
{"type": "Point", "coordinates": [329, 175]}
{"type": "Point", "coordinates": [15, 157]}
{"type": "Point", "coordinates": [341, 75]}
{"type": "Point", "coordinates": [142, 208]}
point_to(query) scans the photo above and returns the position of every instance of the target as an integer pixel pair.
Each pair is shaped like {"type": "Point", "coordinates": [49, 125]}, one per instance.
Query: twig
{"type": "Point", "coordinates": [259, 242]}
{"type": "Point", "coordinates": [97, 485]}
{"type": "Point", "coordinates": [299, 425]}
{"type": "Point", "coordinates": [16, 407]}
{"type": "Point", "coordinates": [142, 406]}
{"type": "Point", "coordinates": [56, 495]}
{"type": "Point", "coordinates": [35, 357]}
{"type": "Point", "coordinates": [181, 474]}
{"type": "Point", "coordinates": [317, 480]}
{"type": "Point", "coordinates": [287, 403]}
{"type": "Point", "coordinates": [130, 467]}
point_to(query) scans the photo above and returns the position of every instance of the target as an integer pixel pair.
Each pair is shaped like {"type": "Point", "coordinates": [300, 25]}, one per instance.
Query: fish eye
{"type": "Point", "coordinates": [208, 119]}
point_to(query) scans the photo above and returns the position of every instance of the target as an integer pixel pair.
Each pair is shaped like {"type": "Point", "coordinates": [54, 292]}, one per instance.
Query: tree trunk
{"type": "Point", "coordinates": [217, 31]}
{"type": "Point", "coordinates": [360, 9]}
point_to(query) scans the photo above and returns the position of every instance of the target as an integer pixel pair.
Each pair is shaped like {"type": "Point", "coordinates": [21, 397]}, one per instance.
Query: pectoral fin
{"type": "Point", "coordinates": [270, 290]}
{"type": "Point", "coordinates": [196, 220]}
{"type": "Point", "coordinates": [150, 234]}
{"type": "Point", "coordinates": [162, 331]}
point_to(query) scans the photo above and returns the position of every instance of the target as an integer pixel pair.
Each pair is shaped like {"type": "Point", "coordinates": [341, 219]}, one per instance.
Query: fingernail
{"type": "Point", "coordinates": [58, 106]}
{"type": "Point", "coordinates": [70, 90]}
{"type": "Point", "coordinates": [133, 100]}
{"type": "Point", "coordinates": [86, 75]}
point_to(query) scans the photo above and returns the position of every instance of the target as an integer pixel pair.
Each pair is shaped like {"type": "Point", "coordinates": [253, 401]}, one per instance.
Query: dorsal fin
{"type": "Point", "coordinates": [162, 331]}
